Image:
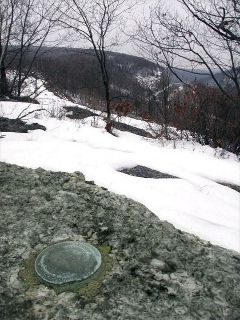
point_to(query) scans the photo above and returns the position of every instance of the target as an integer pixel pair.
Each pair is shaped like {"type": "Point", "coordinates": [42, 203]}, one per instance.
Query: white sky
{"type": "Point", "coordinates": [141, 11]}
{"type": "Point", "coordinates": [138, 13]}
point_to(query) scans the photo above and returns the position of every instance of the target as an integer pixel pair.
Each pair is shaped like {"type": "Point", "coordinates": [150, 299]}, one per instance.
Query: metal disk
{"type": "Point", "coordinates": [67, 262]}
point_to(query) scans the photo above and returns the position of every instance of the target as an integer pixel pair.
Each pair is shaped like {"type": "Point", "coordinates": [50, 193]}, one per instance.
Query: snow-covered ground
{"type": "Point", "coordinates": [194, 203]}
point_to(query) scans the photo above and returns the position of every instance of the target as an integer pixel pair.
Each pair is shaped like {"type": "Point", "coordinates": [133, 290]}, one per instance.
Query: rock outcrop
{"type": "Point", "coordinates": [17, 125]}
{"type": "Point", "coordinates": [157, 272]}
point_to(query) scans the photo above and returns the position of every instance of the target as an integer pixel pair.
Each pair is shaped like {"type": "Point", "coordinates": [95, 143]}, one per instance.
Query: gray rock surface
{"type": "Point", "coordinates": [145, 172]}
{"type": "Point", "coordinates": [157, 272]}
{"type": "Point", "coordinates": [232, 186]}
{"type": "Point", "coordinates": [17, 125]}
{"type": "Point", "coordinates": [126, 127]}
{"type": "Point", "coordinates": [79, 113]}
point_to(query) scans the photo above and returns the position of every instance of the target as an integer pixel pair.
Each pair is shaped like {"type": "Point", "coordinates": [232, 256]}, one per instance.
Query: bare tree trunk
{"type": "Point", "coordinates": [3, 81]}
{"type": "Point", "coordinates": [3, 78]}
{"type": "Point", "coordinates": [108, 119]}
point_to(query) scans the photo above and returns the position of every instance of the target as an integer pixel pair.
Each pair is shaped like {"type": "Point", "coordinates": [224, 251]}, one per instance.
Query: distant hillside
{"type": "Point", "coordinates": [75, 72]}
{"type": "Point", "coordinates": [189, 76]}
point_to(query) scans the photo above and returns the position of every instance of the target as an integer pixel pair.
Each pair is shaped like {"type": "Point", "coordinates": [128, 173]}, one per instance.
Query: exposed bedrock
{"type": "Point", "coordinates": [157, 272]}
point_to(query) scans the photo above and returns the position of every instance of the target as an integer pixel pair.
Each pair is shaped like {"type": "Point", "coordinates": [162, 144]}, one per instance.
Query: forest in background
{"type": "Point", "coordinates": [205, 104]}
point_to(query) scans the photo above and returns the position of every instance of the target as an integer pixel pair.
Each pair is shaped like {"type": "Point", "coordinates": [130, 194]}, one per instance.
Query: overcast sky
{"type": "Point", "coordinates": [139, 12]}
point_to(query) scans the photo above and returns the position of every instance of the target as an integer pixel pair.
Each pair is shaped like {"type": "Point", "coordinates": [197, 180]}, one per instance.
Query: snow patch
{"type": "Point", "coordinates": [194, 203]}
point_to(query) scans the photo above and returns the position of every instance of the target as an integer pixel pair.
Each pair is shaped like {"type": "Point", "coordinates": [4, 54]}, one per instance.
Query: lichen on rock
{"type": "Point", "coordinates": [154, 271]}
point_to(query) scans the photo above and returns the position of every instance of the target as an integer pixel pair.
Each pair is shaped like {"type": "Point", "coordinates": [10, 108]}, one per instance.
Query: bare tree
{"type": "Point", "coordinates": [97, 22]}
{"type": "Point", "coordinates": [24, 28]}
{"type": "Point", "coordinates": [207, 36]}
{"type": "Point", "coordinates": [37, 21]}
{"type": "Point", "coordinates": [164, 92]}
{"type": "Point", "coordinates": [222, 17]}
{"type": "Point", "coordinates": [8, 18]}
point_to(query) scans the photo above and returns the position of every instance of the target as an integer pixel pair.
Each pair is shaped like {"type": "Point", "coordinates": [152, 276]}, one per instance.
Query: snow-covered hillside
{"type": "Point", "coordinates": [195, 203]}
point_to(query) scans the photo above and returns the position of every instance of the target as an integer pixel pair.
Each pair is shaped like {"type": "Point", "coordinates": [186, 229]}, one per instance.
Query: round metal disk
{"type": "Point", "coordinates": [67, 261]}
